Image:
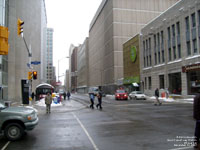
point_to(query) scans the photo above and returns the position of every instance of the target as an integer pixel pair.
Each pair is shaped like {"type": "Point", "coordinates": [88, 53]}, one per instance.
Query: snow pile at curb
{"type": "Point", "coordinates": [41, 102]}
{"type": "Point", "coordinates": [163, 99]}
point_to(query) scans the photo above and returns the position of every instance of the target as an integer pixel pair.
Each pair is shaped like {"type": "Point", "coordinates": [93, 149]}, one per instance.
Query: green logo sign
{"type": "Point", "coordinates": [133, 53]}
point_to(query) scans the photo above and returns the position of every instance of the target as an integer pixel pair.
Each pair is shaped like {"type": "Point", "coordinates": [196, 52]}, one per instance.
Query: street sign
{"type": "Point", "coordinates": [35, 62]}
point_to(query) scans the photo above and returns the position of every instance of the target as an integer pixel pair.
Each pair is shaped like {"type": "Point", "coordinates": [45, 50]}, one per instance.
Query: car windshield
{"type": "Point", "coordinates": [139, 92]}
{"type": "Point", "coordinates": [120, 91]}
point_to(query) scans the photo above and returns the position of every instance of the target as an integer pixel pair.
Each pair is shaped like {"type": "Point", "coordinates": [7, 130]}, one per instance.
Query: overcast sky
{"type": "Point", "coordinates": [70, 20]}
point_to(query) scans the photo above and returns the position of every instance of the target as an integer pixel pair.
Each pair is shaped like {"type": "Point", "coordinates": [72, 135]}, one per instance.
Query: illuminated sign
{"type": "Point", "coordinates": [133, 53]}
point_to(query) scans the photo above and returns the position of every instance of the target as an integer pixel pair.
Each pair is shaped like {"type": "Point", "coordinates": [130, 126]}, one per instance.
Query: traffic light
{"type": "Point", "coordinates": [4, 46]}
{"type": "Point", "coordinates": [19, 26]}
{"type": "Point", "coordinates": [30, 75]}
{"type": "Point", "coordinates": [34, 75]}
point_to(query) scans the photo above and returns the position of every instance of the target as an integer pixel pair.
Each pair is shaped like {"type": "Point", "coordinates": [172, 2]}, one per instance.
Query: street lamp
{"type": "Point", "coordinates": [58, 65]}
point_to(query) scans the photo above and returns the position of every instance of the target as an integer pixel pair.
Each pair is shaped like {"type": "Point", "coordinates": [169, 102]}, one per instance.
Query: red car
{"type": "Point", "coordinates": [121, 95]}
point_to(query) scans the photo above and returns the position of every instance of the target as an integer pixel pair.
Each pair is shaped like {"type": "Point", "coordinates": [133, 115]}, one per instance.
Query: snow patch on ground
{"type": "Point", "coordinates": [41, 102]}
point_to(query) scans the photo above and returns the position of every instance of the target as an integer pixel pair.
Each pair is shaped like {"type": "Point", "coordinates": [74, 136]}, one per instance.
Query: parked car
{"type": "Point", "coordinates": [16, 120]}
{"type": "Point", "coordinates": [121, 95]}
{"type": "Point", "coordinates": [137, 95]}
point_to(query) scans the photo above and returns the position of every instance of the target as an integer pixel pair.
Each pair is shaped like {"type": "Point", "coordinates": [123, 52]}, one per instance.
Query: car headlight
{"type": "Point", "coordinates": [31, 117]}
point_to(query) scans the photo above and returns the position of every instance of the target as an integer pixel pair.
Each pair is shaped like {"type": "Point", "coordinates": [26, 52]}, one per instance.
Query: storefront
{"type": "Point", "coordinates": [193, 78]}
{"type": "Point", "coordinates": [175, 84]}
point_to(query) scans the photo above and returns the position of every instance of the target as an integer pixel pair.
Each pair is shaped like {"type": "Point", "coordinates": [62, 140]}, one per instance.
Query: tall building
{"type": "Point", "coordinates": [4, 58]}
{"type": "Point", "coordinates": [114, 23]}
{"type": "Point", "coordinates": [73, 67]}
{"type": "Point", "coordinates": [172, 41]}
{"type": "Point", "coordinates": [49, 56]}
{"type": "Point", "coordinates": [34, 33]}
{"type": "Point", "coordinates": [82, 67]}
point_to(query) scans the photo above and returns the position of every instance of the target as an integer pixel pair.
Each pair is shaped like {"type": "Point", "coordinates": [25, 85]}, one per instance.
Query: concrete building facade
{"type": "Point", "coordinates": [73, 67]}
{"type": "Point", "coordinates": [114, 23]}
{"type": "Point", "coordinates": [82, 67]}
{"type": "Point", "coordinates": [33, 13]}
{"type": "Point", "coordinates": [49, 57]}
{"type": "Point", "coordinates": [170, 44]}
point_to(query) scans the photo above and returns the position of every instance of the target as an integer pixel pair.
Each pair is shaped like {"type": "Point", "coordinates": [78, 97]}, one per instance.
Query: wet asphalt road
{"type": "Point", "coordinates": [121, 125]}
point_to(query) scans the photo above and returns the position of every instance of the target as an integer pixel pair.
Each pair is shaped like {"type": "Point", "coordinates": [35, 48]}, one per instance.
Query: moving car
{"type": "Point", "coordinates": [15, 120]}
{"type": "Point", "coordinates": [121, 95]}
{"type": "Point", "coordinates": [137, 95]}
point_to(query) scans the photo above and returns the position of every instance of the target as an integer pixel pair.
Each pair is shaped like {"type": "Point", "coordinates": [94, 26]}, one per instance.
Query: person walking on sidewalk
{"type": "Point", "coordinates": [157, 102]}
{"type": "Point", "coordinates": [196, 116]}
{"type": "Point", "coordinates": [48, 101]}
{"type": "Point", "coordinates": [92, 100]}
{"type": "Point", "coordinates": [99, 96]}
{"type": "Point", "coordinates": [68, 95]}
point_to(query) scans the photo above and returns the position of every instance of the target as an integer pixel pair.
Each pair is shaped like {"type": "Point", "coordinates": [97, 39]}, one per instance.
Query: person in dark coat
{"type": "Point", "coordinates": [196, 116]}
{"type": "Point", "coordinates": [68, 95]}
{"type": "Point", "coordinates": [99, 96]}
{"type": "Point", "coordinates": [157, 102]}
{"type": "Point", "coordinates": [92, 100]}
{"type": "Point", "coordinates": [64, 95]}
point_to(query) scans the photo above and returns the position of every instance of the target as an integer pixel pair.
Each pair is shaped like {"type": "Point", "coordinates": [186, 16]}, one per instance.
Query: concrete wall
{"type": "Point", "coordinates": [31, 13]}
{"type": "Point", "coordinates": [115, 22]}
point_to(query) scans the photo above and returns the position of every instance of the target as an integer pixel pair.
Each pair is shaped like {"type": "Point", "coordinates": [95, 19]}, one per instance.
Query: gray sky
{"type": "Point", "coordinates": [70, 20]}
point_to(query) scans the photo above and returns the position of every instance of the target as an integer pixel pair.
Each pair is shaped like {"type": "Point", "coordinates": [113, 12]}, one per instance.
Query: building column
{"type": "Point", "coordinates": [184, 84]}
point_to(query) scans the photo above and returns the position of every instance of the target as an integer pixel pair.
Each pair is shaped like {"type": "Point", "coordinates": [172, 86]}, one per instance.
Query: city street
{"type": "Point", "coordinates": [121, 125]}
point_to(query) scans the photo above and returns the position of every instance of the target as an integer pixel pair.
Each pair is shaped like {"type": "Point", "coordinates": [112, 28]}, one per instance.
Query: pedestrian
{"type": "Point", "coordinates": [92, 100]}
{"type": "Point", "coordinates": [99, 96]}
{"type": "Point", "coordinates": [157, 102]}
{"type": "Point", "coordinates": [68, 95]}
{"type": "Point", "coordinates": [32, 95]}
{"type": "Point", "coordinates": [48, 101]}
{"type": "Point", "coordinates": [196, 116]}
{"type": "Point", "coordinates": [64, 94]}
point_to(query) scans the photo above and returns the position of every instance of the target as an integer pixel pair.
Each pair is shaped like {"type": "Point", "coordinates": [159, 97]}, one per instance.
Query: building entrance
{"type": "Point", "coordinates": [175, 83]}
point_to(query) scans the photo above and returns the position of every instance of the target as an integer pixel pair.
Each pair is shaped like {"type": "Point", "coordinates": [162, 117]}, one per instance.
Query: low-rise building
{"type": "Point", "coordinates": [170, 46]}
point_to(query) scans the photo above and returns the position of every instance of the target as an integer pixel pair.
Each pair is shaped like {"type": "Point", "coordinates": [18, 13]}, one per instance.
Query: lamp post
{"type": "Point", "coordinates": [58, 65]}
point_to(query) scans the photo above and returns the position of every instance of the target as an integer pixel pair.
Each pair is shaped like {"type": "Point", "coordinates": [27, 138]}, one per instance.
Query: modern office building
{"type": "Point", "coordinates": [4, 58]}
{"type": "Point", "coordinates": [49, 57]}
{"type": "Point", "coordinates": [170, 57]}
{"type": "Point", "coordinates": [73, 67]}
{"type": "Point", "coordinates": [115, 22]}
{"type": "Point", "coordinates": [82, 67]}
{"type": "Point", "coordinates": [33, 13]}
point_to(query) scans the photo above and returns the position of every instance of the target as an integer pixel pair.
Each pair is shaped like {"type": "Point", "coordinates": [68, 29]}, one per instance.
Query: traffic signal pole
{"type": "Point", "coordinates": [20, 24]}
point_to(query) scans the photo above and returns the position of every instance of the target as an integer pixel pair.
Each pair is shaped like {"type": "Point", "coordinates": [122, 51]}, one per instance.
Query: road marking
{"type": "Point", "coordinates": [182, 148]}
{"type": "Point", "coordinates": [86, 132]}
{"type": "Point", "coordinates": [5, 146]}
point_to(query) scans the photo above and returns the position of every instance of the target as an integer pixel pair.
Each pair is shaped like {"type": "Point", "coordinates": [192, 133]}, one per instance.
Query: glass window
{"type": "Point", "coordinates": [170, 54]}
{"type": "Point", "coordinates": [193, 20]}
{"type": "Point", "coordinates": [149, 78]}
{"type": "Point", "coordinates": [188, 48]}
{"type": "Point", "coordinates": [179, 51]}
{"type": "Point", "coordinates": [155, 59]}
{"type": "Point", "coordinates": [162, 81]}
{"type": "Point", "coordinates": [195, 46]}
{"type": "Point", "coordinates": [174, 51]}
{"type": "Point", "coordinates": [145, 82]}
{"type": "Point", "coordinates": [187, 24]}
{"type": "Point", "coordinates": [150, 51]}
{"type": "Point", "coordinates": [173, 30]}
{"type": "Point", "coordinates": [178, 28]}
{"type": "Point", "coordinates": [199, 16]}
{"type": "Point", "coordinates": [163, 56]}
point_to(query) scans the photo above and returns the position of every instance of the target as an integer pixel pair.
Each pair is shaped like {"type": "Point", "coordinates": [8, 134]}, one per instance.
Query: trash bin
{"type": "Point", "coordinates": [163, 94]}
{"type": "Point", "coordinates": [7, 103]}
